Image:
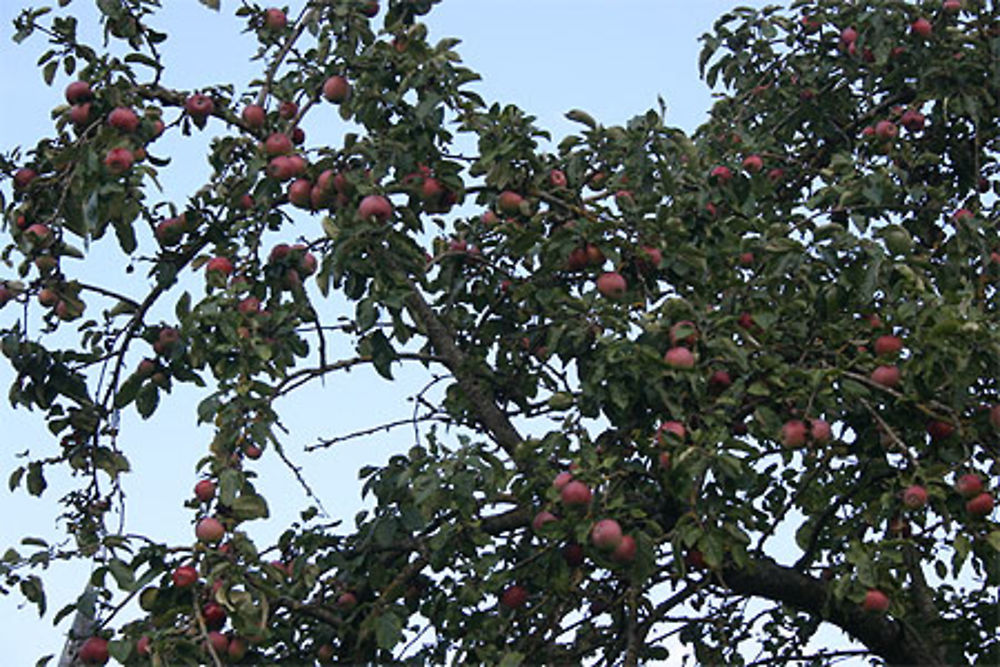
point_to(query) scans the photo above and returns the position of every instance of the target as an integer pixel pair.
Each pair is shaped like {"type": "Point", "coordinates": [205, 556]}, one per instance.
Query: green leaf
{"type": "Point", "coordinates": [128, 390]}
{"type": "Point", "coordinates": [49, 71]}
{"type": "Point", "coordinates": [382, 354]}
{"type": "Point", "coordinates": [250, 506]}
{"type": "Point", "coordinates": [512, 659]}
{"type": "Point", "coordinates": [126, 235]}
{"type": "Point", "coordinates": [581, 117]}
{"type": "Point", "coordinates": [33, 591]}
{"type": "Point", "coordinates": [36, 480]}
{"type": "Point", "coordinates": [211, 4]}
{"type": "Point", "coordinates": [230, 482]}
{"type": "Point", "coordinates": [388, 630]}
{"type": "Point", "coordinates": [123, 574]}
{"type": "Point", "coordinates": [15, 478]}
{"type": "Point", "coordinates": [993, 539]}
{"type": "Point", "coordinates": [119, 649]}
{"type": "Point", "coordinates": [146, 400]}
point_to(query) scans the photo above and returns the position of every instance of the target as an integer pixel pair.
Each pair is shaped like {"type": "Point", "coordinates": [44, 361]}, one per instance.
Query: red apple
{"type": "Point", "coordinates": [952, 6]}
{"type": "Point", "coordinates": [237, 649]}
{"type": "Point", "coordinates": [887, 376]}
{"type": "Point", "coordinates": [325, 653]}
{"type": "Point", "coordinates": [626, 550]}
{"type": "Point", "coordinates": [214, 614]}
{"type": "Point", "coordinates": [79, 114]}
{"type": "Point", "coordinates": [219, 265]}
{"type": "Point", "coordinates": [541, 519]}
{"type": "Point", "coordinates": [199, 106]}
{"type": "Point", "coordinates": [370, 8]}
{"type": "Point", "coordinates": [606, 534]}
{"type": "Point", "coordinates": [573, 554]}
{"type": "Point", "coordinates": [169, 231]}
{"type": "Point", "coordinates": [184, 576]}
{"type": "Point", "coordinates": [719, 381]}
{"type": "Point", "coordinates": [336, 89]}
{"type": "Point", "coordinates": [557, 178]}
{"type": "Point", "coordinates": [939, 430]}
{"type": "Point", "coordinates": [300, 193]}
{"type": "Point", "coordinates": [509, 202]}
{"type": "Point", "coordinates": [922, 28]}
{"type": "Point", "coordinates": [912, 120]}
{"type": "Point", "coordinates": [347, 600]}
{"type": "Point", "coordinates": [562, 479]}
{"type": "Point", "coordinates": [254, 116]}
{"type": "Point", "coordinates": [753, 163]}
{"type": "Point", "coordinates": [980, 505]}
{"type": "Point", "coordinates": [794, 433]}
{"type": "Point", "coordinates": [848, 36]}
{"type": "Point", "coordinates": [307, 261]}
{"type": "Point", "coordinates": [94, 651]}
{"type": "Point", "coordinates": [209, 530]}
{"type": "Point", "coordinates": [274, 19]}
{"type": "Point", "coordinates": [514, 597]}
{"type": "Point", "coordinates": [611, 285]}
{"type": "Point", "coordinates": [48, 297]}
{"type": "Point", "coordinates": [218, 641]}
{"type": "Point", "coordinates": [281, 168]}
{"type": "Point", "coordinates": [375, 206]}
{"type": "Point", "coordinates": [142, 646]}
{"type": "Point", "coordinates": [124, 119]}
{"type": "Point", "coordinates": [695, 559]}
{"type": "Point", "coordinates": [278, 144]}
{"type": "Point", "coordinates": [876, 601]}
{"type": "Point", "coordinates": [721, 174]}
{"type": "Point", "coordinates": [78, 92]}
{"type": "Point", "coordinates": [6, 295]}
{"type": "Point", "coordinates": [288, 109]}
{"type": "Point", "coordinates": [298, 164]}
{"type": "Point", "coordinates": [888, 345]}
{"type": "Point", "coordinates": [684, 332]}
{"type": "Point", "coordinates": [594, 255]}
{"type": "Point", "coordinates": [820, 431]}
{"type": "Point", "coordinates": [810, 24]}
{"type": "Point", "coordinates": [577, 260]}
{"type": "Point", "coordinates": [23, 177]}
{"type": "Point", "coordinates": [969, 485]}
{"type": "Point", "coordinates": [204, 490]}
{"type": "Point", "coordinates": [650, 258]}
{"type": "Point", "coordinates": [961, 215]}
{"type": "Point", "coordinates": [249, 305]}
{"type": "Point", "coordinates": [118, 160]}
{"type": "Point", "coordinates": [679, 357]}
{"type": "Point", "coordinates": [675, 427]}
{"type": "Point", "coordinates": [38, 235]}
{"type": "Point", "coordinates": [915, 497]}
{"type": "Point", "coordinates": [885, 130]}
{"type": "Point", "coordinates": [279, 252]}
{"type": "Point", "coordinates": [575, 493]}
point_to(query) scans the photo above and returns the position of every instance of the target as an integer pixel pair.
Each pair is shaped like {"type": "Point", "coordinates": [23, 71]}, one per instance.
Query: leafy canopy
{"type": "Point", "coordinates": [661, 353]}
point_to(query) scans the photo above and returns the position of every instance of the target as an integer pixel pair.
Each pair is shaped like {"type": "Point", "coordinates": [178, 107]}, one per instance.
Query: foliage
{"type": "Point", "coordinates": [840, 201]}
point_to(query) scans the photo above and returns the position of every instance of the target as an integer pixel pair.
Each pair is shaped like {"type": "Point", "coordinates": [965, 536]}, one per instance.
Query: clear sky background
{"type": "Point", "coordinates": [610, 58]}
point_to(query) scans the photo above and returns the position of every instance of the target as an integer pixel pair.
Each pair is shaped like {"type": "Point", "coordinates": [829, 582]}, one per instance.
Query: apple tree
{"type": "Point", "coordinates": [706, 394]}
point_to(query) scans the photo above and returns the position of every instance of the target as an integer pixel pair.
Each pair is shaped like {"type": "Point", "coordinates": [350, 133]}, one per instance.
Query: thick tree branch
{"type": "Point", "coordinates": [884, 636]}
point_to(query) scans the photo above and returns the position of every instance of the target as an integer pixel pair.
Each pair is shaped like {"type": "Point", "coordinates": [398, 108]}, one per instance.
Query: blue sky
{"type": "Point", "coordinates": [611, 59]}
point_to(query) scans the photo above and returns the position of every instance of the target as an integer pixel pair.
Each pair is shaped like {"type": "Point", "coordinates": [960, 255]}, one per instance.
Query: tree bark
{"type": "Point", "coordinates": [888, 638]}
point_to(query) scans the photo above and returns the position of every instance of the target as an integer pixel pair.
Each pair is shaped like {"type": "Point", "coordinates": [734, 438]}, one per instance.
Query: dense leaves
{"type": "Point", "coordinates": [783, 325]}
